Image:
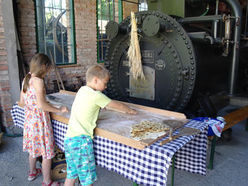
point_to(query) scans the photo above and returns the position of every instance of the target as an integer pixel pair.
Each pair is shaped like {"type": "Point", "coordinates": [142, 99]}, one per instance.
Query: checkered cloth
{"type": "Point", "coordinates": [149, 166]}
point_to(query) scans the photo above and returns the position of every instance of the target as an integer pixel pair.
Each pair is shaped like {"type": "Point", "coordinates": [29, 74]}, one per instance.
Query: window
{"type": "Point", "coordinates": [143, 5]}
{"type": "Point", "coordinates": [112, 10]}
{"type": "Point", "coordinates": [105, 13]}
{"type": "Point", "coordinates": [55, 30]}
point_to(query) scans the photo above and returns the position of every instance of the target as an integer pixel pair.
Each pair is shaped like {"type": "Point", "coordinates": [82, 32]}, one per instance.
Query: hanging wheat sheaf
{"type": "Point", "coordinates": [133, 53]}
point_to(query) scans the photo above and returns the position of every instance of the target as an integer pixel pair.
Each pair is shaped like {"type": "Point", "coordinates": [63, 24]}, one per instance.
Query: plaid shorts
{"type": "Point", "coordinates": [80, 159]}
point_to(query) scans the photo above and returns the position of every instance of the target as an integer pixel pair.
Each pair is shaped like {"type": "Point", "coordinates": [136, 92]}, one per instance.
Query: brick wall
{"type": "Point", "coordinates": [85, 30]}
{"type": "Point", "coordinates": [5, 97]}
{"type": "Point", "coordinates": [26, 26]}
{"type": "Point", "coordinates": [128, 7]}
{"type": "Point", "coordinates": [86, 47]}
{"type": "Point", "coordinates": [85, 25]}
{"type": "Point", "coordinates": [72, 76]}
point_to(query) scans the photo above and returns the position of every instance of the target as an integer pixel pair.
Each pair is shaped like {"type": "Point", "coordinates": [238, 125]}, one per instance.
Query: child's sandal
{"type": "Point", "coordinates": [52, 183]}
{"type": "Point", "coordinates": [33, 176]}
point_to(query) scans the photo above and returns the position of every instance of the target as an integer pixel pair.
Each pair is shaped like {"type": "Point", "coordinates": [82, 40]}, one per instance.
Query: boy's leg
{"type": "Point", "coordinates": [80, 160]}
{"type": "Point", "coordinates": [86, 162]}
{"type": "Point", "coordinates": [32, 164]}
{"type": "Point", "coordinates": [69, 182]}
{"type": "Point", "coordinates": [71, 177]}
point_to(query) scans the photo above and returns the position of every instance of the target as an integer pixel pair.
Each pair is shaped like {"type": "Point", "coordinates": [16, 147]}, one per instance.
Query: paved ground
{"type": "Point", "coordinates": [230, 165]}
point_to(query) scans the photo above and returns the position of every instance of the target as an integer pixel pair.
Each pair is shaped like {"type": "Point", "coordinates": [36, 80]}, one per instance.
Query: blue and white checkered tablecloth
{"type": "Point", "coordinates": [149, 166]}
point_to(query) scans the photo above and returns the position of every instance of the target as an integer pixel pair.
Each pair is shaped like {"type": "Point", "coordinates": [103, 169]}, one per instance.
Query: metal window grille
{"type": "Point", "coordinates": [105, 13]}
{"type": "Point", "coordinates": [55, 30]}
{"type": "Point", "coordinates": [143, 5]}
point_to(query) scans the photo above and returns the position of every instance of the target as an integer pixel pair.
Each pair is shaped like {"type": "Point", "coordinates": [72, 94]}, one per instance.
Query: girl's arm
{"type": "Point", "coordinates": [21, 102]}
{"type": "Point", "coordinates": [120, 107]}
{"type": "Point", "coordinates": [41, 99]}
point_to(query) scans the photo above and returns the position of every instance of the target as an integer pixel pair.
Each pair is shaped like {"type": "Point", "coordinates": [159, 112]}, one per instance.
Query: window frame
{"type": "Point", "coordinates": [72, 51]}
{"type": "Point", "coordinates": [120, 19]}
{"type": "Point", "coordinates": [97, 25]}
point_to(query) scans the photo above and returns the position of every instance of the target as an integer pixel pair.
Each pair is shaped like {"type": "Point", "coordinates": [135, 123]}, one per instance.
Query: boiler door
{"type": "Point", "coordinates": [168, 61]}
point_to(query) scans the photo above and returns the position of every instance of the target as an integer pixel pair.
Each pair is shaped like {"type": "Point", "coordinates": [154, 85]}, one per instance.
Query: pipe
{"type": "Point", "coordinates": [216, 22]}
{"type": "Point", "coordinates": [236, 9]}
{"type": "Point", "coordinates": [210, 39]}
{"type": "Point", "coordinates": [200, 19]}
{"type": "Point", "coordinates": [235, 58]}
{"type": "Point", "coordinates": [227, 35]}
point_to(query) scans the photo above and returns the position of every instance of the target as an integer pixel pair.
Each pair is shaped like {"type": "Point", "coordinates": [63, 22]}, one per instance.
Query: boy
{"type": "Point", "coordinates": [85, 109]}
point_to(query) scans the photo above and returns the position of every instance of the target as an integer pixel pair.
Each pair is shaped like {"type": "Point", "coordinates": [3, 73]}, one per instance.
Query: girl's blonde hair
{"type": "Point", "coordinates": [98, 71]}
{"type": "Point", "coordinates": [39, 65]}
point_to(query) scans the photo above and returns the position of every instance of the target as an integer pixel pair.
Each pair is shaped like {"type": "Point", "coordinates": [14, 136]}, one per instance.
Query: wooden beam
{"type": "Point", "coordinates": [235, 117]}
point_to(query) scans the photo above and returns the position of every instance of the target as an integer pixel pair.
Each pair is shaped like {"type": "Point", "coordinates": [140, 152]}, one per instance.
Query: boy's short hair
{"type": "Point", "coordinates": [98, 71]}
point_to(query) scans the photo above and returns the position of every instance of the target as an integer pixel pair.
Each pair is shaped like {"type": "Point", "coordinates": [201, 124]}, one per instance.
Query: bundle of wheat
{"type": "Point", "coordinates": [134, 55]}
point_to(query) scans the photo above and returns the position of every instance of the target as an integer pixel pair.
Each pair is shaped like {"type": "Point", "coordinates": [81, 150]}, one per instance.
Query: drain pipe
{"type": "Point", "coordinates": [235, 58]}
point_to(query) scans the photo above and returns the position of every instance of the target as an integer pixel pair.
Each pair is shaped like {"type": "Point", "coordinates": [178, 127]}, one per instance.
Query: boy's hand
{"type": "Point", "coordinates": [63, 109]}
{"type": "Point", "coordinates": [120, 107]}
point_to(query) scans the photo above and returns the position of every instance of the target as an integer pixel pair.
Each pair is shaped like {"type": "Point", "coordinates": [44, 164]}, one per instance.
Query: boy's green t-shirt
{"type": "Point", "coordinates": [85, 110]}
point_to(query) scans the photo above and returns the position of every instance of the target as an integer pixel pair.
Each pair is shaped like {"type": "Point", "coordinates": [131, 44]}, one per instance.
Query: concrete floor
{"type": "Point", "coordinates": [230, 165]}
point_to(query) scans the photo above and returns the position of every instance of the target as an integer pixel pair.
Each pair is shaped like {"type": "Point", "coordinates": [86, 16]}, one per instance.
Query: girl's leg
{"type": "Point", "coordinates": [70, 182]}
{"type": "Point", "coordinates": [46, 170]}
{"type": "Point", "coordinates": [32, 164]}
{"type": "Point", "coordinates": [33, 172]}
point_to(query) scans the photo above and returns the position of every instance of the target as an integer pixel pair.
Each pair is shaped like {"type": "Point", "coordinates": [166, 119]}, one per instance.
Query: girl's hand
{"type": "Point", "coordinates": [63, 109]}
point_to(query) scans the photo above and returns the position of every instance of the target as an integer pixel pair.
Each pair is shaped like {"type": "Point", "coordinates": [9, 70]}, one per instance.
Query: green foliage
{"type": "Point", "coordinates": [105, 9]}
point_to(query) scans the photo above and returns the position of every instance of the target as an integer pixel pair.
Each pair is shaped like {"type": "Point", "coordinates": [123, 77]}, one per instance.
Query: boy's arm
{"type": "Point", "coordinates": [120, 107]}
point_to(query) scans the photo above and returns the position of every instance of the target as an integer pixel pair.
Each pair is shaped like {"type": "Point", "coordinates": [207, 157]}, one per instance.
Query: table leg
{"type": "Point", "coordinates": [135, 184]}
{"type": "Point", "coordinates": [211, 159]}
{"type": "Point", "coordinates": [172, 170]}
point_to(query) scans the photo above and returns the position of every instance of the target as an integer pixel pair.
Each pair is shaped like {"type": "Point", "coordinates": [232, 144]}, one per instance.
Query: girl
{"type": "Point", "coordinates": [38, 133]}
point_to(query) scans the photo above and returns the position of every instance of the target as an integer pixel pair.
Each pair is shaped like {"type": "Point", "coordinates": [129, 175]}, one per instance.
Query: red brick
{"type": "Point", "coordinates": [4, 67]}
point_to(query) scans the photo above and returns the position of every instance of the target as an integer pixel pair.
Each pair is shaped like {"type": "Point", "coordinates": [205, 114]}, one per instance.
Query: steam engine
{"type": "Point", "coordinates": [186, 57]}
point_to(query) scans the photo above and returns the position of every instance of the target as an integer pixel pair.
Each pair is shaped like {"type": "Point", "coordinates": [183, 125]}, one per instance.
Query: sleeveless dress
{"type": "Point", "coordinates": [38, 137]}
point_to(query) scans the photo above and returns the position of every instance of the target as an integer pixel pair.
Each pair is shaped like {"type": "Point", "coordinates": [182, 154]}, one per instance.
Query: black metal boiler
{"type": "Point", "coordinates": [182, 59]}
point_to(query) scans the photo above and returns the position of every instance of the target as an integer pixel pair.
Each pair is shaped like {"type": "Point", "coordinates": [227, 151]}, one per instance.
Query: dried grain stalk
{"type": "Point", "coordinates": [133, 53]}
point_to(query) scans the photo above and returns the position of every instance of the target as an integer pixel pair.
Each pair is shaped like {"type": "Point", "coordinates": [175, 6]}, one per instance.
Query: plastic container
{"type": "Point", "coordinates": [216, 126]}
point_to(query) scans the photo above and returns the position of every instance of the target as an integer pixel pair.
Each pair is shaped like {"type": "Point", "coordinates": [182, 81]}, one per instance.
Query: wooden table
{"type": "Point", "coordinates": [148, 166]}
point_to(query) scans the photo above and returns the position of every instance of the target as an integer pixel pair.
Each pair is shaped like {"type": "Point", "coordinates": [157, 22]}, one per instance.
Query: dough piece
{"type": "Point", "coordinates": [145, 127]}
